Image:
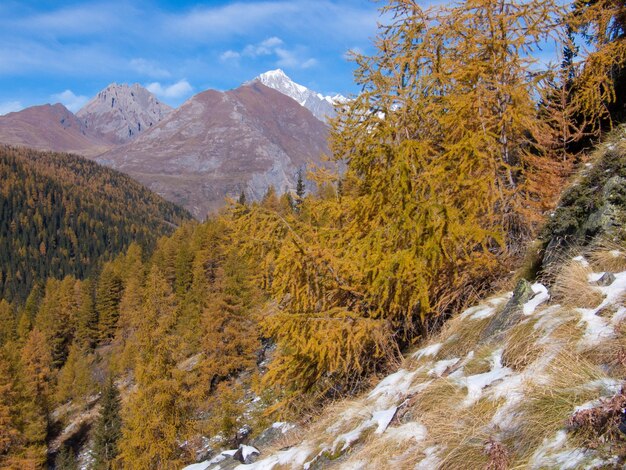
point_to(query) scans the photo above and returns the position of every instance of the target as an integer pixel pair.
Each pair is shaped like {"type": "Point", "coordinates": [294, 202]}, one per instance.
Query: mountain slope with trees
{"type": "Point", "coordinates": [61, 214]}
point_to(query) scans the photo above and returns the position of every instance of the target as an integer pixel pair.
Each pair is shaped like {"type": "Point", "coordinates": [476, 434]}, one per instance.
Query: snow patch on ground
{"type": "Point", "coordinates": [541, 296]}
{"type": "Point", "coordinates": [406, 432]}
{"type": "Point", "coordinates": [476, 383]}
{"type": "Point", "coordinates": [431, 460]}
{"type": "Point", "coordinates": [295, 456]}
{"type": "Point", "coordinates": [442, 366]}
{"type": "Point", "coordinates": [380, 419]}
{"type": "Point", "coordinates": [428, 351]}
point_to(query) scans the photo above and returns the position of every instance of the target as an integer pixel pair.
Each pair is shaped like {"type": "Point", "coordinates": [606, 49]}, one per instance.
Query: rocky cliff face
{"type": "Point", "coordinates": [119, 113]}
{"type": "Point", "coordinates": [50, 127]}
{"type": "Point", "coordinates": [220, 144]}
{"type": "Point", "coordinates": [322, 107]}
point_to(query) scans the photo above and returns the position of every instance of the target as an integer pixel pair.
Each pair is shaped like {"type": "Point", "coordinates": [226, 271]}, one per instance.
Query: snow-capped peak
{"type": "Point", "coordinates": [322, 107]}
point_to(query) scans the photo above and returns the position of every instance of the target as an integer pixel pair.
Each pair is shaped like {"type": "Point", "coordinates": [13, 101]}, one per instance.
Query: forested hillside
{"type": "Point", "coordinates": [456, 152]}
{"type": "Point", "coordinates": [61, 214]}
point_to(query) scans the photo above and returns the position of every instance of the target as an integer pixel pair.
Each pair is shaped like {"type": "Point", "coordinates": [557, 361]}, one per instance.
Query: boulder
{"type": "Point", "coordinates": [511, 313]}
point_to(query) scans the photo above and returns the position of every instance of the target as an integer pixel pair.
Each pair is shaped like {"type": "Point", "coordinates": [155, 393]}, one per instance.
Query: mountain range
{"type": "Point", "coordinates": [216, 145]}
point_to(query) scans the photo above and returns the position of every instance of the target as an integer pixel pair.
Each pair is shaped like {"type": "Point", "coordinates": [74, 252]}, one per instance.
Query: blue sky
{"type": "Point", "coordinates": [66, 51]}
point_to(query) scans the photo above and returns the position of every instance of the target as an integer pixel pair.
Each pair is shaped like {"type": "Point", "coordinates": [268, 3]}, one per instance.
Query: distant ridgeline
{"type": "Point", "coordinates": [60, 214]}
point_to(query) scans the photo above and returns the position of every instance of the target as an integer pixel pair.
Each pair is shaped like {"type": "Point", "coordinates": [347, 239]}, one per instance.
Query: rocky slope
{"type": "Point", "coordinates": [50, 127]}
{"type": "Point", "coordinates": [533, 378]}
{"type": "Point", "coordinates": [322, 107]}
{"type": "Point", "coordinates": [119, 113]}
{"type": "Point", "coordinates": [219, 144]}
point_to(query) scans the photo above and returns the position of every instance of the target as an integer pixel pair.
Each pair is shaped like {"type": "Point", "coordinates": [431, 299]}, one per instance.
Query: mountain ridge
{"type": "Point", "coordinates": [220, 144]}
{"type": "Point", "coordinates": [322, 107]}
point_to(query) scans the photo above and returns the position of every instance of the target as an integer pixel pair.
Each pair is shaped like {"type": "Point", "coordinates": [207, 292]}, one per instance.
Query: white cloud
{"type": "Point", "coordinates": [293, 59]}
{"type": "Point", "coordinates": [266, 47]}
{"type": "Point", "coordinates": [149, 68]}
{"type": "Point", "coordinates": [10, 107]}
{"type": "Point", "coordinates": [177, 90]}
{"type": "Point", "coordinates": [273, 46]}
{"type": "Point", "coordinates": [70, 100]}
{"type": "Point", "coordinates": [229, 55]}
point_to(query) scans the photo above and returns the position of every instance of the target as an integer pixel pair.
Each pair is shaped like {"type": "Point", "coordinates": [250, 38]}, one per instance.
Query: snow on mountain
{"type": "Point", "coordinates": [121, 112]}
{"type": "Point", "coordinates": [322, 107]}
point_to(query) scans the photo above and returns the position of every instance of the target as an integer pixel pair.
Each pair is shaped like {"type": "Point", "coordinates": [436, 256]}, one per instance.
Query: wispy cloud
{"type": "Point", "coordinates": [265, 47]}
{"type": "Point", "coordinates": [10, 107]}
{"type": "Point", "coordinates": [82, 46]}
{"type": "Point", "coordinates": [70, 100]}
{"type": "Point", "coordinates": [275, 47]}
{"type": "Point", "coordinates": [176, 90]}
{"type": "Point", "coordinates": [149, 68]}
{"type": "Point", "coordinates": [229, 55]}
{"type": "Point", "coordinates": [234, 19]}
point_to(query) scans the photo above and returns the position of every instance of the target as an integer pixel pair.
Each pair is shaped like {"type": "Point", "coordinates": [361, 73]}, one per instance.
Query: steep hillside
{"type": "Point", "coordinates": [50, 127]}
{"type": "Point", "coordinates": [119, 113]}
{"type": "Point", "coordinates": [221, 144]}
{"type": "Point", "coordinates": [60, 214]}
{"type": "Point", "coordinates": [533, 378]}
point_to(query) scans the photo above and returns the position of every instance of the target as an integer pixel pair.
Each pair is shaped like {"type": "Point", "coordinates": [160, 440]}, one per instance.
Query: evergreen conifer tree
{"type": "Point", "coordinates": [108, 428]}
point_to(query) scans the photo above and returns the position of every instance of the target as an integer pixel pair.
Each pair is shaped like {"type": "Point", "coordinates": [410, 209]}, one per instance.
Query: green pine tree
{"type": "Point", "coordinates": [108, 428]}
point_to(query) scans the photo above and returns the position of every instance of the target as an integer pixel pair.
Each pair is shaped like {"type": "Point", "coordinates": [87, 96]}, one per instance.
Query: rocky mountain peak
{"type": "Point", "coordinates": [120, 112]}
{"type": "Point", "coordinates": [322, 107]}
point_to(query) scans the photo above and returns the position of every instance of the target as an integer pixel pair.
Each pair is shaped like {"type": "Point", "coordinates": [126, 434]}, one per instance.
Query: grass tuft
{"type": "Point", "coordinates": [572, 289]}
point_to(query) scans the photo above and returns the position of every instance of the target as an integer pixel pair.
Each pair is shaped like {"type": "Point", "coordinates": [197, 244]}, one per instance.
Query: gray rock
{"type": "Point", "coordinates": [511, 313]}
{"type": "Point", "coordinates": [246, 454]}
{"type": "Point", "coordinates": [606, 280]}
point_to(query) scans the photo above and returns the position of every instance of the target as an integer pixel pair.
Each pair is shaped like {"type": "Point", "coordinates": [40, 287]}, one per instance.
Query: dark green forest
{"type": "Point", "coordinates": [61, 214]}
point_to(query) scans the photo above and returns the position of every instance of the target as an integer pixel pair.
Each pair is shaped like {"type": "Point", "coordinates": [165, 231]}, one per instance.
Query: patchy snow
{"type": "Point", "coordinates": [597, 328]}
{"type": "Point", "coordinates": [581, 260]}
{"type": "Point", "coordinates": [197, 466]}
{"type": "Point", "coordinates": [351, 436]}
{"type": "Point", "coordinates": [393, 386]}
{"type": "Point", "coordinates": [618, 316]}
{"type": "Point", "coordinates": [428, 351]}
{"type": "Point", "coordinates": [607, 386]}
{"type": "Point", "coordinates": [247, 451]}
{"type": "Point", "coordinates": [406, 432]}
{"type": "Point", "coordinates": [283, 426]}
{"type": "Point", "coordinates": [541, 296]}
{"type": "Point", "coordinates": [595, 277]}
{"type": "Point", "coordinates": [550, 455]}
{"type": "Point", "coordinates": [478, 313]}
{"type": "Point", "coordinates": [431, 460]}
{"type": "Point", "coordinates": [215, 460]}
{"type": "Point", "coordinates": [383, 418]}
{"type": "Point", "coordinates": [297, 455]}
{"type": "Point", "coordinates": [615, 290]}
{"type": "Point", "coordinates": [476, 383]}
{"type": "Point", "coordinates": [442, 366]}
{"type": "Point", "coordinates": [482, 311]}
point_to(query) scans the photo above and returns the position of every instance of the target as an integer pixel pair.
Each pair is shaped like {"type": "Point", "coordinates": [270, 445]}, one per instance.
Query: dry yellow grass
{"type": "Point", "coordinates": [442, 393]}
{"type": "Point", "coordinates": [521, 346]}
{"type": "Point", "coordinates": [547, 405]}
{"type": "Point", "coordinates": [464, 434]}
{"type": "Point", "coordinates": [608, 256]}
{"type": "Point", "coordinates": [460, 337]}
{"type": "Point", "coordinates": [572, 289]}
